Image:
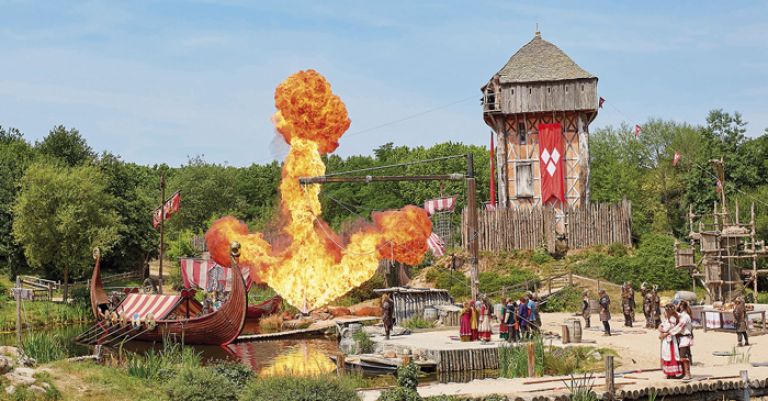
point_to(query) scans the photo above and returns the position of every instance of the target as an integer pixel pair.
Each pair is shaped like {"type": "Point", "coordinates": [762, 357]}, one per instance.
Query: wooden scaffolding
{"type": "Point", "coordinates": [729, 249]}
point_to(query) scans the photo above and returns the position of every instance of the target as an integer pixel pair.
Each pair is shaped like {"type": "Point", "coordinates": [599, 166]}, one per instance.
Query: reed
{"type": "Point", "coordinates": [44, 347]}
{"type": "Point", "coordinates": [580, 388]}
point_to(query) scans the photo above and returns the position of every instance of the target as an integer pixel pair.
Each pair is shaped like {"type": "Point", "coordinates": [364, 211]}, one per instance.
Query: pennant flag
{"type": "Point", "coordinates": [436, 245]}
{"type": "Point", "coordinates": [600, 104]}
{"type": "Point", "coordinates": [551, 155]}
{"type": "Point", "coordinates": [171, 206]}
{"type": "Point", "coordinates": [676, 159]}
{"type": "Point", "coordinates": [638, 130]}
{"type": "Point", "coordinates": [433, 206]}
{"type": "Point", "coordinates": [719, 187]}
{"type": "Point", "coordinates": [492, 181]}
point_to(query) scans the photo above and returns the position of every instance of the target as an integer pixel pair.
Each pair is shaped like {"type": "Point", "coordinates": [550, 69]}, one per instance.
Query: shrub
{"type": "Point", "coordinates": [235, 372]}
{"type": "Point", "coordinates": [407, 381]}
{"type": "Point", "coordinates": [491, 282]}
{"type": "Point", "coordinates": [200, 384]}
{"type": "Point", "coordinates": [541, 257]}
{"type": "Point", "coordinates": [567, 300]}
{"type": "Point", "coordinates": [364, 342]}
{"type": "Point", "coordinates": [417, 322]}
{"type": "Point", "coordinates": [288, 388]}
{"type": "Point", "coordinates": [43, 347]}
{"type": "Point", "coordinates": [148, 366]}
{"type": "Point", "coordinates": [617, 249]}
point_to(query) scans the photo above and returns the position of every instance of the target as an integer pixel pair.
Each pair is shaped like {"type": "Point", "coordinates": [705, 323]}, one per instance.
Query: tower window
{"type": "Point", "coordinates": [521, 134]}
{"type": "Point", "coordinates": [524, 179]}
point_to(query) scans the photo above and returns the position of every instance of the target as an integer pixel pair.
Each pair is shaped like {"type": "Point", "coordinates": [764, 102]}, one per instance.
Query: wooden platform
{"type": "Point", "coordinates": [317, 328]}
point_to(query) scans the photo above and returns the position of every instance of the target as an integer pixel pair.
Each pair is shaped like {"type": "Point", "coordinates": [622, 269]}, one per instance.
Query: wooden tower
{"type": "Point", "coordinates": [541, 85]}
{"type": "Point", "coordinates": [728, 248]}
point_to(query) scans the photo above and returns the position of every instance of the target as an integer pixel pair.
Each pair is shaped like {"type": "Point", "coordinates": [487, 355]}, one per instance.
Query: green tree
{"type": "Point", "coordinates": [61, 214]}
{"type": "Point", "coordinates": [67, 146]}
{"type": "Point", "coordinates": [15, 155]}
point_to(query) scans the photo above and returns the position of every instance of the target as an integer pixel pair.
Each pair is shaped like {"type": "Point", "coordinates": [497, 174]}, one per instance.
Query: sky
{"type": "Point", "coordinates": [162, 81]}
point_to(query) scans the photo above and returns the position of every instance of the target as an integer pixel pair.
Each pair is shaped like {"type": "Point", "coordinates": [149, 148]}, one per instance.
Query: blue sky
{"type": "Point", "coordinates": [160, 81]}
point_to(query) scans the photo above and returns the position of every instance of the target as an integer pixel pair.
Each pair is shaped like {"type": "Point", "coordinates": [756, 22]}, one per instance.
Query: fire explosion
{"type": "Point", "coordinates": [314, 265]}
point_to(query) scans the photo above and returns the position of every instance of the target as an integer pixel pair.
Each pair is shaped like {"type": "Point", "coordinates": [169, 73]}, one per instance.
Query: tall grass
{"type": "Point", "coordinates": [551, 360]}
{"type": "Point", "coordinates": [580, 388]}
{"type": "Point", "coordinates": [44, 347]}
{"type": "Point", "coordinates": [164, 363]}
{"type": "Point", "coordinates": [737, 357]}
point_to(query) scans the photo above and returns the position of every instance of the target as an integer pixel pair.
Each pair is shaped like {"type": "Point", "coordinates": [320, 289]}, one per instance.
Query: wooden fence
{"type": "Point", "coordinates": [503, 230]}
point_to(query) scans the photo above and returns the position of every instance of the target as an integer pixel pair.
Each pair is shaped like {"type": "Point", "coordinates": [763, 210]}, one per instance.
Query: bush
{"type": "Point", "coordinates": [200, 384]}
{"type": "Point", "coordinates": [493, 282]}
{"type": "Point", "coordinates": [364, 342]}
{"type": "Point", "coordinates": [567, 300]}
{"type": "Point", "coordinates": [541, 257]}
{"type": "Point", "coordinates": [271, 324]}
{"type": "Point", "coordinates": [653, 262]}
{"type": "Point", "coordinates": [235, 372]}
{"type": "Point", "coordinates": [417, 322]}
{"type": "Point", "coordinates": [287, 388]}
{"type": "Point", "coordinates": [407, 381]}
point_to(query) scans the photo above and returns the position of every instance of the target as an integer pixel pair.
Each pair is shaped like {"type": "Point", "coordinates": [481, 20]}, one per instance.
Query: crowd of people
{"type": "Point", "coordinates": [519, 320]}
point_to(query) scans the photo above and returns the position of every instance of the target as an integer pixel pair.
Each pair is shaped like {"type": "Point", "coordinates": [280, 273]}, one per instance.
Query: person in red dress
{"type": "Point", "coordinates": [465, 323]}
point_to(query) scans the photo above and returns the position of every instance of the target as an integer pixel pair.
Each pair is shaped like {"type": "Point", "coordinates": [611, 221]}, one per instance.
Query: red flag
{"type": "Point", "coordinates": [719, 187]}
{"type": "Point", "coordinates": [436, 245]}
{"type": "Point", "coordinates": [551, 155]}
{"type": "Point", "coordinates": [172, 205]}
{"type": "Point", "coordinates": [676, 159]}
{"type": "Point", "coordinates": [638, 130]}
{"type": "Point", "coordinates": [600, 104]}
{"type": "Point", "coordinates": [492, 180]}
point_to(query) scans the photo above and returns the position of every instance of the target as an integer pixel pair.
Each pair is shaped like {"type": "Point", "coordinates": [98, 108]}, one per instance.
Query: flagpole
{"type": "Point", "coordinates": [162, 233]}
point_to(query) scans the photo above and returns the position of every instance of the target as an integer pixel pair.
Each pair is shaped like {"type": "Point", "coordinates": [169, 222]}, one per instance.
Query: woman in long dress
{"type": "Point", "coordinates": [484, 326]}
{"type": "Point", "coordinates": [522, 318]}
{"type": "Point", "coordinates": [465, 323]}
{"type": "Point", "coordinates": [670, 352]}
{"type": "Point", "coordinates": [475, 308]}
{"type": "Point", "coordinates": [502, 316]}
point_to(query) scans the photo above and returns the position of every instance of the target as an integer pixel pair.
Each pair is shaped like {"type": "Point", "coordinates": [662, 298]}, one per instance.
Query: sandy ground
{"type": "Point", "coordinates": [637, 347]}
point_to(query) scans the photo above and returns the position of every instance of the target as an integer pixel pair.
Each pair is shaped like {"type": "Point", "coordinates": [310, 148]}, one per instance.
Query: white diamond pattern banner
{"type": "Point", "coordinates": [551, 164]}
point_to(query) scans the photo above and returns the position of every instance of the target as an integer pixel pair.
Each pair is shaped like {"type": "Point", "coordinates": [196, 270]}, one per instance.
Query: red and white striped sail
{"type": "Point", "coordinates": [436, 245]}
{"type": "Point", "coordinates": [208, 275]}
{"type": "Point", "coordinates": [143, 304]}
{"type": "Point", "coordinates": [446, 204]}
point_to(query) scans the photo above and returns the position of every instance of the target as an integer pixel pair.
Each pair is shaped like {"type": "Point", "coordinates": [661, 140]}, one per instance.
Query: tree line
{"type": "Point", "coordinates": [59, 198]}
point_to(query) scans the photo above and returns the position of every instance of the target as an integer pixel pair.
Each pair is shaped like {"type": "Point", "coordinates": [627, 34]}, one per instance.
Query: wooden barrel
{"type": "Point", "coordinates": [574, 327]}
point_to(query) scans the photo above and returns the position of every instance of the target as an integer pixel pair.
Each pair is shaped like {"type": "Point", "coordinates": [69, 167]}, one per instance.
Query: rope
{"type": "Point", "coordinates": [406, 164]}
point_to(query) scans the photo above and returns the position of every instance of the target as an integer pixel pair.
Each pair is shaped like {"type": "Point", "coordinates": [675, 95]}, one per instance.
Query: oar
{"type": "Point", "coordinates": [146, 330]}
{"type": "Point", "coordinates": [105, 329]}
{"type": "Point", "coordinates": [117, 333]}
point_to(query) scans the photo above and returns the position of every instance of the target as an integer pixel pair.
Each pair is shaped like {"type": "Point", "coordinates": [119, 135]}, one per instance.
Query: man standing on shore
{"type": "Point", "coordinates": [628, 303]}
{"type": "Point", "coordinates": [740, 320]}
{"type": "Point", "coordinates": [605, 312]}
{"type": "Point", "coordinates": [585, 312]}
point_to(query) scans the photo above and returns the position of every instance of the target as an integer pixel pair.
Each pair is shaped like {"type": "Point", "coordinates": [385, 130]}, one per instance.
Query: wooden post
{"type": "Point", "coordinates": [162, 229]}
{"type": "Point", "coordinates": [473, 231]}
{"type": "Point", "coordinates": [745, 380]}
{"type": "Point", "coordinates": [531, 360]}
{"type": "Point", "coordinates": [18, 310]}
{"type": "Point", "coordinates": [566, 337]}
{"type": "Point", "coordinates": [340, 364]}
{"type": "Point", "coordinates": [609, 376]}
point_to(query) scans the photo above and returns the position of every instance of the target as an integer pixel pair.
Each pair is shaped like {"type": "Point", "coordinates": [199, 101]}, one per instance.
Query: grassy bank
{"type": "Point", "coordinates": [39, 314]}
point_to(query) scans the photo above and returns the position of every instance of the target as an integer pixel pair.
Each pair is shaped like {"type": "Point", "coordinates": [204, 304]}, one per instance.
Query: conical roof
{"type": "Point", "coordinates": [539, 61]}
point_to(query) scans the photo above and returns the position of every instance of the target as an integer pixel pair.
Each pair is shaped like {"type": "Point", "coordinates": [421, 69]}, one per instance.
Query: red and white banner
{"type": "Point", "coordinates": [208, 275]}
{"type": "Point", "coordinates": [433, 206]}
{"type": "Point", "coordinates": [436, 245]}
{"type": "Point", "coordinates": [551, 162]}
{"type": "Point", "coordinates": [676, 159]}
{"type": "Point", "coordinates": [171, 206]}
{"type": "Point", "coordinates": [600, 103]}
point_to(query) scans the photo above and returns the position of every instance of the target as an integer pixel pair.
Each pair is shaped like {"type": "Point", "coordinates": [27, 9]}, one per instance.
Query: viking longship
{"type": "Point", "coordinates": [153, 317]}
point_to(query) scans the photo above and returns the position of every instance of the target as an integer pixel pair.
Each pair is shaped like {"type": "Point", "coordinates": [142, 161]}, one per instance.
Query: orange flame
{"type": "Point", "coordinates": [315, 267]}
